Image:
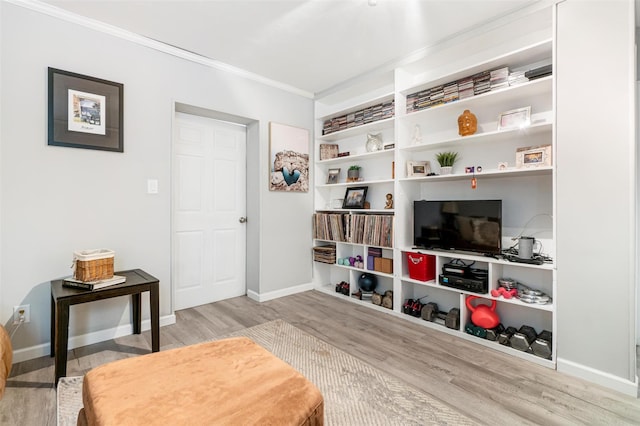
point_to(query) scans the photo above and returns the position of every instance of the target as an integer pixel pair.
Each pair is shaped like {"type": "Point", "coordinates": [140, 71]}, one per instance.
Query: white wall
{"type": "Point", "coordinates": [596, 198]}
{"type": "Point", "coordinates": [55, 200]}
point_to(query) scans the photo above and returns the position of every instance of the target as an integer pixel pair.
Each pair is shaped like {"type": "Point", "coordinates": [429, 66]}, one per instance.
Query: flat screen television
{"type": "Point", "coordinates": [459, 225]}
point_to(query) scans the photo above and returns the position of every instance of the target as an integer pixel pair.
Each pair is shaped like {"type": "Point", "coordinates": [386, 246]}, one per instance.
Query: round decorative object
{"type": "Point", "coordinates": [367, 282]}
{"type": "Point", "coordinates": [374, 142]}
{"type": "Point", "coordinates": [467, 123]}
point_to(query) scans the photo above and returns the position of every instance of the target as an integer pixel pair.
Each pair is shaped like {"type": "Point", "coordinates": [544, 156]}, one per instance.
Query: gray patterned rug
{"type": "Point", "coordinates": [354, 392]}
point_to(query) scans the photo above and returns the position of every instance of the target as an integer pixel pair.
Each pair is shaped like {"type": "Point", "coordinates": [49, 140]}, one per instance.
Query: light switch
{"type": "Point", "coordinates": [152, 186]}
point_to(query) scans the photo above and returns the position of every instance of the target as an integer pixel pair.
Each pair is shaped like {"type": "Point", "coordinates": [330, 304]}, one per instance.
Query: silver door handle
{"type": "Point", "coordinates": [242, 220]}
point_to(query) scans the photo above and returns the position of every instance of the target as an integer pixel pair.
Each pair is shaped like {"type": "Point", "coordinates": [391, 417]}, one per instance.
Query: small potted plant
{"type": "Point", "coordinates": [446, 161]}
{"type": "Point", "coordinates": [353, 174]}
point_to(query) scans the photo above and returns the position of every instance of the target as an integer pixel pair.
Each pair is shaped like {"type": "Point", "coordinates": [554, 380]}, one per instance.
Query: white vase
{"type": "Point", "coordinates": [446, 170]}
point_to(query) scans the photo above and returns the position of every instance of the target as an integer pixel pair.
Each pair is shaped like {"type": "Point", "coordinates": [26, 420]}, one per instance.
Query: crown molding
{"type": "Point", "coordinates": [114, 31]}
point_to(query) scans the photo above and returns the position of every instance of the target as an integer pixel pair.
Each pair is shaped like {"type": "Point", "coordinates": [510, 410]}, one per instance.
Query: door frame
{"type": "Point", "coordinates": [252, 190]}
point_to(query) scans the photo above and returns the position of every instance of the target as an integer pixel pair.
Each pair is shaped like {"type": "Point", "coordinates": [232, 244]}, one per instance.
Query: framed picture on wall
{"type": "Point", "coordinates": [85, 112]}
{"type": "Point", "coordinates": [289, 158]}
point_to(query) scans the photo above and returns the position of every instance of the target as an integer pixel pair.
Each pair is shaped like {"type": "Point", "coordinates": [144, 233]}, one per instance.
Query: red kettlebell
{"type": "Point", "coordinates": [483, 315]}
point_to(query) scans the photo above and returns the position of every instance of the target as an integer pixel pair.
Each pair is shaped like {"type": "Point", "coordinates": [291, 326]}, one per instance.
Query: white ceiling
{"type": "Point", "coordinates": [312, 45]}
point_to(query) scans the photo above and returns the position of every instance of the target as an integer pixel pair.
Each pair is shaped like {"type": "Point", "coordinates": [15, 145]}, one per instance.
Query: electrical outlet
{"type": "Point", "coordinates": [23, 311]}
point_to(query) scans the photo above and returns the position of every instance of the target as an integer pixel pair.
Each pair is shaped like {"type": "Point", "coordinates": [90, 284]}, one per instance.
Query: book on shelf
{"type": "Point", "coordinates": [93, 285]}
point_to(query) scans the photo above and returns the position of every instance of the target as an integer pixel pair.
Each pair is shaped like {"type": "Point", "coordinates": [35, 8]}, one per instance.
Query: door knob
{"type": "Point", "coordinates": [242, 219]}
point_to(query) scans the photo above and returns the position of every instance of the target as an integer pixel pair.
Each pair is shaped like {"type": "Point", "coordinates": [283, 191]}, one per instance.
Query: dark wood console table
{"type": "Point", "coordinates": [62, 297]}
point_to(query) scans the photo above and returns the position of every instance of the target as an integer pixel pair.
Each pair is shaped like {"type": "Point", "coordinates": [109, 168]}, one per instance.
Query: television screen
{"type": "Point", "coordinates": [462, 225]}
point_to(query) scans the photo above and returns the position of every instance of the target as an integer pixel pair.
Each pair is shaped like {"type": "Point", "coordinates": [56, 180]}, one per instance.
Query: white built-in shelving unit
{"type": "Point", "coordinates": [527, 194]}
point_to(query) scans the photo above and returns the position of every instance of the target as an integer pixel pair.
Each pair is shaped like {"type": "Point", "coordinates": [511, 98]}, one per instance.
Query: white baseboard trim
{"type": "Point", "coordinates": [263, 297]}
{"type": "Point", "coordinates": [610, 381]}
{"type": "Point", "coordinates": [44, 349]}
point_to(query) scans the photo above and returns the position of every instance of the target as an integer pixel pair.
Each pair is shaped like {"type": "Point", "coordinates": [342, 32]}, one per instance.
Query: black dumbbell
{"type": "Point", "coordinates": [429, 311]}
{"type": "Point", "coordinates": [493, 333]}
{"type": "Point", "coordinates": [523, 338]}
{"type": "Point", "coordinates": [541, 346]}
{"type": "Point", "coordinates": [451, 319]}
{"type": "Point", "coordinates": [505, 336]}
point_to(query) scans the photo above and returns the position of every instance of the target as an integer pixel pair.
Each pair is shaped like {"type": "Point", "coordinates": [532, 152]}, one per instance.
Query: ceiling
{"type": "Point", "coordinates": [311, 45]}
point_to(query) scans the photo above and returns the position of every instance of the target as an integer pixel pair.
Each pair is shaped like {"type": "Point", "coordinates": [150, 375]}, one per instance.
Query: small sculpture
{"type": "Point", "coordinates": [417, 136]}
{"type": "Point", "coordinates": [389, 203]}
{"type": "Point", "coordinates": [374, 142]}
{"type": "Point", "coordinates": [467, 123]}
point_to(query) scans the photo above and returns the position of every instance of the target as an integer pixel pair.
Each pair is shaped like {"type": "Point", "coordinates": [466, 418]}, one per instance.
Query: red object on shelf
{"type": "Point", "coordinates": [422, 267]}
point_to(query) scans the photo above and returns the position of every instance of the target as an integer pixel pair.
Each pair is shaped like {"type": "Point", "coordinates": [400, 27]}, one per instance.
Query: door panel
{"type": "Point", "coordinates": [209, 178]}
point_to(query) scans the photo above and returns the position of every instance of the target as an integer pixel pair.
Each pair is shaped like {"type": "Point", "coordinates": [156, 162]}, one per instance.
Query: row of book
{"type": "Point", "coordinates": [367, 115]}
{"type": "Point", "coordinates": [473, 85]}
{"type": "Point", "coordinates": [370, 229]}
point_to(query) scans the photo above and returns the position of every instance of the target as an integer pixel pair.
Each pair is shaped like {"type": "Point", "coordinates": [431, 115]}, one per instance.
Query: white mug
{"type": "Point", "coordinates": [525, 247]}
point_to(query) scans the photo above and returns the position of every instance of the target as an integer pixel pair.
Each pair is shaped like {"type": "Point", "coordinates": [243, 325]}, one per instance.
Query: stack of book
{"type": "Point", "coordinates": [358, 118]}
{"type": "Point", "coordinates": [481, 82]}
{"type": "Point", "coordinates": [499, 78]}
{"type": "Point", "coordinates": [324, 254]}
{"type": "Point", "coordinates": [465, 88]}
{"type": "Point", "coordinates": [517, 77]}
{"type": "Point", "coordinates": [93, 285]}
{"type": "Point", "coordinates": [450, 92]}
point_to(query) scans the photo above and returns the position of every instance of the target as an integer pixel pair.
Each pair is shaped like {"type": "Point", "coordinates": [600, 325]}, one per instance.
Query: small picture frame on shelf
{"type": "Point", "coordinates": [533, 156]}
{"type": "Point", "coordinates": [332, 177]}
{"type": "Point", "coordinates": [355, 197]}
{"type": "Point", "coordinates": [328, 151]}
{"type": "Point", "coordinates": [418, 168]}
{"type": "Point", "coordinates": [515, 119]}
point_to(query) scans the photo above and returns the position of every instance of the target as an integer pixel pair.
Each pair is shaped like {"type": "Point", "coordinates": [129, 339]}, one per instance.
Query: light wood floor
{"type": "Point", "coordinates": [488, 386]}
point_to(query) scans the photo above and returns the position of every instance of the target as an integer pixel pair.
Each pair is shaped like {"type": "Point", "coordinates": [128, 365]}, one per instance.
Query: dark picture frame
{"type": "Point", "coordinates": [355, 197]}
{"type": "Point", "coordinates": [85, 112]}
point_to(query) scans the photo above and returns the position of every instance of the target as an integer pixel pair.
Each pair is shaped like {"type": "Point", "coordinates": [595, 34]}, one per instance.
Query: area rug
{"type": "Point", "coordinates": [355, 393]}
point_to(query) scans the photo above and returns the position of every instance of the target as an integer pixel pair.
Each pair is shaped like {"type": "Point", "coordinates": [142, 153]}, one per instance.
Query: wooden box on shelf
{"type": "Point", "coordinates": [382, 264]}
{"type": "Point", "coordinates": [328, 151]}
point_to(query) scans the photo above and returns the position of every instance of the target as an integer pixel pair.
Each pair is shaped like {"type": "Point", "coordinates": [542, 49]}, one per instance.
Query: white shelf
{"type": "Point", "coordinates": [518, 59]}
{"type": "Point", "coordinates": [476, 258]}
{"type": "Point", "coordinates": [519, 92]}
{"type": "Point", "coordinates": [433, 284]}
{"type": "Point", "coordinates": [333, 112]}
{"type": "Point", "coordinates": [330, 289]}
{"type": "Point", "coordinates": [510, 172]}
{"type": "Point", "coordinates": [492, 136]}
{"type": "Point", "coordinates": [351, 244]}
{"type": "Point", "coordinates": [347, 184]}
{"type": "Point", "coordinates": [355, 157]}
{"type": "Point", "coordinates": [361, 211]}
{"type": "Point", "coordinates": [374, 126]}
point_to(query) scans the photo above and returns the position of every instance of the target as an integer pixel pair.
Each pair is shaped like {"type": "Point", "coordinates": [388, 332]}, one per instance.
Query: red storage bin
{"type": "Point", "coordinates": [422, 267]}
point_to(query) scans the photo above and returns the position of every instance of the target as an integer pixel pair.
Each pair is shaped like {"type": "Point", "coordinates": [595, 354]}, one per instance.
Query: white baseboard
{"type": "Point", "coordinates": [263, 297]}
{"type": "Point", "coordinates": [599, 377]}
{"type": "Point", "coordinates": [44, 349]}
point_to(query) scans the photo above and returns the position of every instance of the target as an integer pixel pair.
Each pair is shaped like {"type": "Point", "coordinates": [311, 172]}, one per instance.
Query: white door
{"type": "Point", "coordinates": [209, 204]}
